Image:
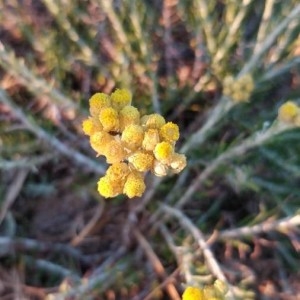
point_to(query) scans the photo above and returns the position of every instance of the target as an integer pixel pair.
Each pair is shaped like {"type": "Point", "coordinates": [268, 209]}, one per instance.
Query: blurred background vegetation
{"type": "Point", "coordinates": [238, 198]}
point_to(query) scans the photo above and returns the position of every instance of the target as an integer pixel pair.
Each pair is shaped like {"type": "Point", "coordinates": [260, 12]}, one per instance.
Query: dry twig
{"type": "Point", "coordinates": [74, 155]}
{"type": "Point", "coordinates": [157, 265]}
{"type": "Point", "coordinates": [12, 193]}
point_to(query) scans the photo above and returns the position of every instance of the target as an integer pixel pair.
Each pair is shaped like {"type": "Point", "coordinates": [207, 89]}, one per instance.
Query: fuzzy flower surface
{"type": "Point", "coordinates": [192, 293]}
{"type": "Point", "coordinates": [216, 291]}
{"type": "Point", "coordinates": [131, 143]}
{"type": "Point", "coordinates": [238, 89]}
{"type": "Point", "coordinates": [289, 112]}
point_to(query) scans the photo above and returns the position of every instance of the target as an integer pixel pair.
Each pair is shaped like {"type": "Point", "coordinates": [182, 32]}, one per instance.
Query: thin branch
{"type": "Point", "coordinates": [253, 62]}
{"type": "Point", "coordinates": [278, 71]}
{"type": "Point", "coordinates": [232, 34]}
{"type": "Point", "coordinates": [262, 31]}
{"type": "Point", "coordinates": [100, 278]}
{"type": "Point", "coordinates": [12, 193]}
{"type": "Point", "coordinates": [37, 85]}
{"type": "Point", "coordinates": [73, 35]}
{"type": "Point", "coordinates": [169, 280]}
{"type": "Point", "coordinates": [9, 246]}
{"type": "Point", "coordinates": [157, 265]}
{"type": "Point", "coordinates": [284, 42]}
{"type": "Point", "coordinates": [74, 155]}
{"type": "Point", "coordinates": [25, 163]}
{"type": "Point", "coordinates": [51, 268]}
{"type": "Point", "coordinates": [199, 237]}
{"type": "Point", "coordinates": [90, 225]}
{"type": "Point", "coordinates": [221, 109]}
{"type": "Point", "coordinates": [253, 141]}
{"type": "Point", "coordinates": [207, 24]}
{"type": "Point", "coordinates": [282, 225]}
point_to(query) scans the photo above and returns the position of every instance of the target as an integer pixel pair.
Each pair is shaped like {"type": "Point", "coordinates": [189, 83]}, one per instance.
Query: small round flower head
{"type": "Point", "coordinates": [238, 96]}
{"type": "Point", "coordinates": [247, 83]}
{"type": "Point", "coordinates": [151, 139]}
{"type": "Point", "coordinates": [228, 85]}
{"type": "Point", "coordinates": [114, 152]}
{"type": "Point", "coordinates": [141, 161]}
{"type": "Point", "coordinates": [132, 136]}
{"type": "Point", "coordinates": [238, 89]}
{"type": "Point", "coordinates": [163, 152]}
{"type": "Point", "coordinates": [169, 132]}
{"type": "Point", "coordinates": [154, 121]}
{"type": "Point", "coordinates": [109, 119]}
{"type": "Point", "coordinates": [97, 126]}
{"type": "Point", "coordinates": [97, 102]}
{"type": "Point", "coordinates": [193, 293]}
{"type": "Point", "coordinates": [118, 172]}
{"type": "Point", "coordinates": [228, 80]}
{"type": "Point", "coordinates": [134, 185]}
{"type": "Point", "coordinates": [288, 112]}
{"type": "Point", "coordinates": [159, 169]}
{"type": "Point", "coordinates": [128, 115]}
{"type": "Point", "coordinates": [87, 126]}
{"type": "Point", "coordinates": [220, 287]}
{"type": "Point", "coordinates": [91, 126]}
{"type": "Point", "coordinates": [99, 141]}
{"type": "Point", "coordinates": [120, 98]}
{"type": "Point", "coordinates": [108, 188]}
{"type": "Point", "coordinates": [178, 162]}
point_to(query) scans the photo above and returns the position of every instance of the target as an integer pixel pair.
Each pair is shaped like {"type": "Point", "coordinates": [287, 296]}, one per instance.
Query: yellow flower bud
{"type": "Point", "coordinates": [169, 132]}
{"type": "Point", "coordinates": [154, 121]}
{"type": "Point", "coordinates": [97, 102]}
{"type": "Point", "coordinates": [141, 160]}
{"type": "Point", "coordinates": [109, 119]}
{"type": "Point", "coordinates": [128, 115]}
{"type": "Point", "coordinates": [288, 112]}
{"type": "Point", "coordinates": [132, 136]}
{"type": "Point", "coordinates": [108, 188]}
{"type": "Point", "coordinates": [178, 162]}
{"type": "Point", "coordinates": [87, 126]}
{"type": "Point", "coordinates": [114, 152]}
{"type": "Point", "coordinates": [193, 293]}
{"type": "Point", "coordinates": [163, 152]}
{"type": "Point", "coordinates": [118, 172]}
{"type": "Point", "coordinates": [134, 185]}
{"type": "Point", "coordinates": [99, 141]}
{"type": "Point", "coordinates": [91, 126]}
{"type": "Point", "coordinates": [151, 139]}
{"type": "Point", "coordinates": [120, 98]}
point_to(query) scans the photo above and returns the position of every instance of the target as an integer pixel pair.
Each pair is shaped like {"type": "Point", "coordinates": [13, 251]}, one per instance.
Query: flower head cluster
{"type": "Point", "coordinates": [238, 89]}
{"type": "Point", "coordinates": [216, 291]}
{"type": "Point", "coordinates": [131, 143]}
{"type": "Point", "coordinates": [289, 113]}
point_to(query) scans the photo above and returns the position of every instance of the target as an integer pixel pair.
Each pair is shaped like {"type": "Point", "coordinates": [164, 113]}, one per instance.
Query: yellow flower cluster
{"type": "Point", "coordinates": [216, 291]}
{"type": "Point", "coordinates": [289, 113]}
{"type": "Point", "coordinates": [240, 89]}
{"type": "Point", "coordinates": [131, 143]}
